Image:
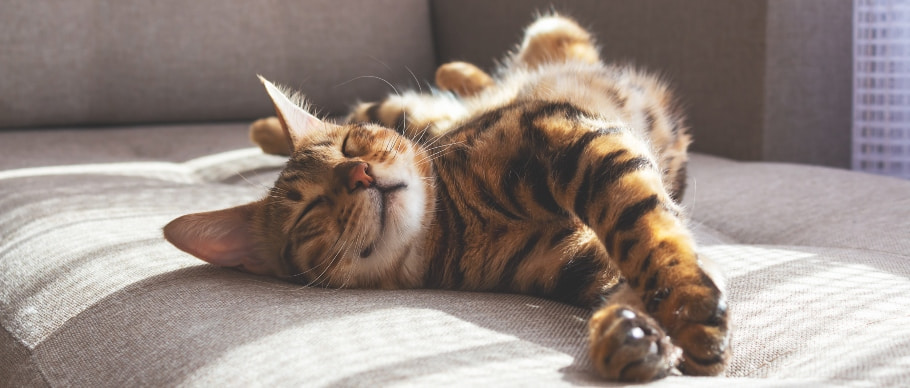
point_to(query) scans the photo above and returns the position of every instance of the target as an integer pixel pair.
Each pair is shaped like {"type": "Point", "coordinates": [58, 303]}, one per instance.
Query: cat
{"type": "Point", "coordinates": [558, 177]}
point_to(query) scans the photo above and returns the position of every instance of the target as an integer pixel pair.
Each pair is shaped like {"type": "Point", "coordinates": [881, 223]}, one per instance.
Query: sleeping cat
{"type": "Point", "coordinates": [559, 177]}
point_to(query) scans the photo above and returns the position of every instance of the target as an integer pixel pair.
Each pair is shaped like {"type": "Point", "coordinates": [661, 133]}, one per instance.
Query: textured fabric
{"type": "Point", "coordinates": [91, 294]}
{"type": "Point", "coordinates": [760, 80]}
{"type": "Point", "coordinates": [78, 62]}
{"type": "Point", "coordinates": [775, 204]}
{"type": "Point", "coordinates": [171, 143]}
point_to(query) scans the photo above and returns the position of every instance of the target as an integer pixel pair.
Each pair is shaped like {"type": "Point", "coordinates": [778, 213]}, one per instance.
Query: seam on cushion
{"type": "Point", "coordinates": [30, 360]}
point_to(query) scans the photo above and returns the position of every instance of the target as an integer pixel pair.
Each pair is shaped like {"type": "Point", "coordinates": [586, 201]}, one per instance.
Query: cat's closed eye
{"type": "Point", "coordinates": [293, 195]}
{"type": "Point", "coordinates": [344, 147]}
{"type": "Point", "coordinates": [309, 207]}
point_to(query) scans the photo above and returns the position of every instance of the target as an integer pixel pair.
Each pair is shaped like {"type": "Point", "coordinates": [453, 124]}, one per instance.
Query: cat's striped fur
{"type": "Point", "coordinates": [558, 177]}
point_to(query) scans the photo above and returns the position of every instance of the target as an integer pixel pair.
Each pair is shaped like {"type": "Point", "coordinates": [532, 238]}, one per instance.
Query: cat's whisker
{"type": "Point", "coordinates": [335, 270]}
{"type": "Point", "coordinates": [421, 134]}
{"type": "Point", "coordinates": [240, 174]}
{"type": "Point", "coordinates": [343, 249]}
{"type": "Point", "coordinates": [329, 265]}
{"type": "Point", "coordinates": [334, 244]}
{"type": "Point", "coordinates": [372, 77]}
{"type": "Point", "coordinates": [439, 153]}
{"type": "Point", "coordinates": [388, 144]}
{"type": "Point", "coordinates": [350, 272]}
{"type": "Point", "coordinates": [397, 144]}
{"type": "Point", "coordinates": [380, 62]}
{"type": "Point", "coordinates": [419, 88]}
{"type": "Point", "coordinates": [304, 272]}
{"type": "Point", "coordinates": [315, 267]}
{"type": "Point", "coordinates": [404, 122]}
{"type": "Point", "coordinates": [689, 213]}
{"type": "Point", "coordinates": [694, 197]}
{"type": "Point", "coordinates": [435, 139]}
{"type": "Point", "coordinates": [443, 146]}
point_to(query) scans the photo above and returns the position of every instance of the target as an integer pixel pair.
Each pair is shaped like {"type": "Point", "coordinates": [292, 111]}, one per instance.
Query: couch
{"type": "Point", "coordinates": [116, 117]}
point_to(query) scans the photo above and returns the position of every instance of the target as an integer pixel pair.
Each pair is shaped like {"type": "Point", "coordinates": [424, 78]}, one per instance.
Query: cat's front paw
{"type": "Point", "coordinates": [627, 345]}
{"type": "Point", "coordinates": [695, 315]}
{"type": "Point", "coordinates": [701, 330]}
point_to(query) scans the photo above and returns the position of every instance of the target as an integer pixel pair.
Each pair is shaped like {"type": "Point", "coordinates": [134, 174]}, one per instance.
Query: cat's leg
{"type": "Point", "coordinates": [555, 39]}
{"type": "Point", "coordinates": [419, 117]}
{"type": "Point", "coordinates": [626, 344]}
{"type": "Point", "coordinates": [268, 134]}
{"type": "Point", "coordinates": [607, 178]}
{"type": "Point", "coordinates": [462, 78]}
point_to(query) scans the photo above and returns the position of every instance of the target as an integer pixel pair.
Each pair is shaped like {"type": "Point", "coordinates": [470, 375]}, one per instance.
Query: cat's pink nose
{"type": "Point", "coordinates": [359, 177]}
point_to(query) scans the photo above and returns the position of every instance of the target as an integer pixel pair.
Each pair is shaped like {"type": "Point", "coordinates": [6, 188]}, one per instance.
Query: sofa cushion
{"type": "Point", "coordinates": [91, 294]}
{"type": "Point", "coordinates": [112, 62]}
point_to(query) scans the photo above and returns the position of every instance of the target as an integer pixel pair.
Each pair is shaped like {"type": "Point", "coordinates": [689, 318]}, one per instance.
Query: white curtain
{"type": "Point", "coordinates": [881, 107]}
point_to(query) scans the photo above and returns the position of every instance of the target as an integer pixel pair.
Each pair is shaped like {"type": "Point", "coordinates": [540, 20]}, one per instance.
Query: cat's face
{"type": "Point", "coordinates": [347, 210]}
{"type": "Point", "coordinates": [349, 206]}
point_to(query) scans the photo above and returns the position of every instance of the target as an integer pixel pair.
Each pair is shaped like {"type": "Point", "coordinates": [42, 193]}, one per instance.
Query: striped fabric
{"type": "Point", "coordinates": [816, 260]}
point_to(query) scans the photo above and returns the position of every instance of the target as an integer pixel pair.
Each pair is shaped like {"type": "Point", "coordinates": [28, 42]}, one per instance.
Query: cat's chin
{"type": "Point", "coordinates": [396, 207]}
{"type": "Point", "coordinates": [397, 212]}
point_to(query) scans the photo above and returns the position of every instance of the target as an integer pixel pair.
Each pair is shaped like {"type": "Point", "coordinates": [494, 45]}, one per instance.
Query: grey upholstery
{"type": "Point", "coordinates": [93, 296]}
{"type": "Point", "coordinates": [83, 62]}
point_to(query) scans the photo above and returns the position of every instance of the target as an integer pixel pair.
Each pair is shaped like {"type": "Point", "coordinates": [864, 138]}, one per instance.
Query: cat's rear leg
{"type": "Point", "coordinates": [268, 134]}
{"type": "Point", "coordinates": [462, 78]}
{"type": "Point", "coordinates": [419, 117]}
{"type": "Point", "coordinates": [555, 39]}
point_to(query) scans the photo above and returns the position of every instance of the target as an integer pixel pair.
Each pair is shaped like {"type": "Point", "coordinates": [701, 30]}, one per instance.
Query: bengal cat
{"type": "Point", "coordinates": [559, 177]}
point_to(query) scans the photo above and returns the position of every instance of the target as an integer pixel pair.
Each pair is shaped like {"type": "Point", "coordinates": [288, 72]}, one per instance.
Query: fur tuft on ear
{"type": "Point", "coordinates": [220, 237]}
{"type": "Point", "coordinates": [297, 123]}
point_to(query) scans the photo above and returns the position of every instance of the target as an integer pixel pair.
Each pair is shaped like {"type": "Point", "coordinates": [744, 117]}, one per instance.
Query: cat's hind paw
{"type": "Point", "coordinates": [268, 134]}
{"type": "Point", "coordinates": [462, 78]}
{"type": "Point", "coordinates": [627, 345]}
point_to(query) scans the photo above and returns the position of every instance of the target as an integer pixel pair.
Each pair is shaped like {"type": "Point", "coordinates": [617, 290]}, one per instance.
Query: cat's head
{"type": "Point", "coordinates": [349, 209]}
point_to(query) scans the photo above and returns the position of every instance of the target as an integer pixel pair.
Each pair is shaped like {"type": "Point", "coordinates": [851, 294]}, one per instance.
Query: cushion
{"type": "Point", "coordinates": [91, 295]}
{"type": "Point", "coordinates": [84, 62]}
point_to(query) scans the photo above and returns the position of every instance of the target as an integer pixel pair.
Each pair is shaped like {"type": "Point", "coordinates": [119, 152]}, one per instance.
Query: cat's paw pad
{"type": "Point", "coordinates": [268, 134]}
{"type": "Point", "coordinates": [701, 329]}
{"type": "Point", "coordinates": [692, 307]}
{"type": "Point", "coordinates": [627, 345]}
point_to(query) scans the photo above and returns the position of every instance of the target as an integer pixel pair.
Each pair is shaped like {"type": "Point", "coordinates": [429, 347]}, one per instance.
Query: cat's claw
{"type": "Point", "coordinates": [702, 332]}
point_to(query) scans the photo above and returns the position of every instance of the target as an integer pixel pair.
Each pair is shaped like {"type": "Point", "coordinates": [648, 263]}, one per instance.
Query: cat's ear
{"type": "Point", "coordinates": [297, 123]}
{"type": "Point", "coordinates": [220, 237]}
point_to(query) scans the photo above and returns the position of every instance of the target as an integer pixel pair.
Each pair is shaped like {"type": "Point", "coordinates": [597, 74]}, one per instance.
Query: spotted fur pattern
{"type": "Point", "coordinates": [558, 177]}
